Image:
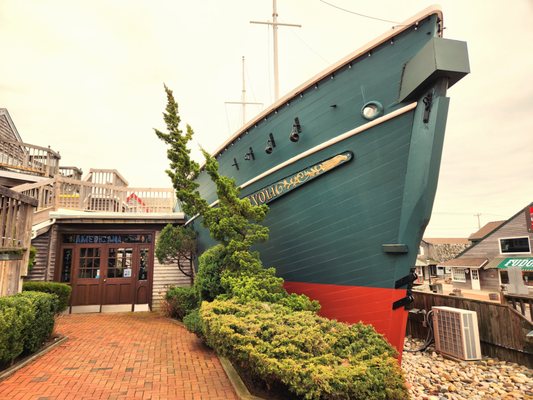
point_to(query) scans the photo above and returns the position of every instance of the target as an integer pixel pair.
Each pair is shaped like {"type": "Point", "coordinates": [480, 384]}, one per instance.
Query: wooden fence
{"type": "Point", "coordinates": [16, 214]}
{"type": "Point", "coordinates": [521, 303]}
{"type": "Point", "coordinates": [502, 330]}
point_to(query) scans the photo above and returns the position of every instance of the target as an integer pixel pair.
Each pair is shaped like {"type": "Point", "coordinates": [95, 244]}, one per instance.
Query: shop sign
{"type": "Point", "coordinates": [526, 263]}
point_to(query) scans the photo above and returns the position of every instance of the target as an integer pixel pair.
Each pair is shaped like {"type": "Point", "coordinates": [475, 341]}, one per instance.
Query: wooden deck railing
{"type": "Point", "coordinates": [74, 194]}
{"type": "Point", "coordinates": [16, 214]}
{"type": "Point", "coordinates": [28, 158]}
{"type": "Point", "coordinates": [70, 172]}
{"type": "Point", "coordinates": [106, 177]}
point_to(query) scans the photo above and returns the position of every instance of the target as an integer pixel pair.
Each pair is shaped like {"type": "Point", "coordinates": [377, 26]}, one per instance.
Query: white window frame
{"type": "Point", "coordinates": [420, 250]}
{"type": "Point", "coordinates": [514, 237]}
{"type": "Point", "coordinates": [459, 276]}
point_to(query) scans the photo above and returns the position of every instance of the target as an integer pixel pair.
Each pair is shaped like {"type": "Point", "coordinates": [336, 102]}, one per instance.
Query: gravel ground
{"type": "Point", "coordinates": [432, 377]}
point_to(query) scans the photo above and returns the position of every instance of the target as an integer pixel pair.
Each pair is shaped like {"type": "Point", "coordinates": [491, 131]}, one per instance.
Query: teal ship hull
{"type": "Point", "coordinates": [348, 164]}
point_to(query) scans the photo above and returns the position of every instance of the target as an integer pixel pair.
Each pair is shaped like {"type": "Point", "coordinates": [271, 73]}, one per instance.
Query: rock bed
{"type": "Point", "coordinates": [432, 377]}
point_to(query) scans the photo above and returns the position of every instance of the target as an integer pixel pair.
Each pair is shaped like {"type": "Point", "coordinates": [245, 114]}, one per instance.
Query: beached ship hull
{"type": "Point", "coordinates": [350, 198]}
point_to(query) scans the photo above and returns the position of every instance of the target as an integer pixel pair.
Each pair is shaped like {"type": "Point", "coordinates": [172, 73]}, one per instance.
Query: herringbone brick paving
{"type": "Point", "coordinates": [121, 356]}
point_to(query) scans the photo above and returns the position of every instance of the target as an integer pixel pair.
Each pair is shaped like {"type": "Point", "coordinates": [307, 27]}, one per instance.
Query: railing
{"type": "Point", "coordinates": [28, 158]}
{"type": "Point", "coordinates": [74, 194]}
{"type": "Point", "coordinates": [520, 303]}
{"type": "Point", "coordinates": [70, 172]}
{"type": "Point", "coordinates": [106, 177]}
{"type": "Point", "coordinates": [16, 214]}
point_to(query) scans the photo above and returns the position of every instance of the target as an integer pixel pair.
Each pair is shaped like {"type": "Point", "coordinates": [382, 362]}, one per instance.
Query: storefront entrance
{"type": "Point", "coordinates": [107, 270]}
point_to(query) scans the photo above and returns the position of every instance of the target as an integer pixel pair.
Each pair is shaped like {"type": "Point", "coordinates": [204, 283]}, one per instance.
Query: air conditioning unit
{"type": "Point", "coordinates": [456, 333]}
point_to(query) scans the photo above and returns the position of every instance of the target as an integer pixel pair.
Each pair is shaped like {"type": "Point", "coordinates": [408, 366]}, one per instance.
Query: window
{"type": "Point", "coordinates": [143, 266]}
{"type": "Point", "coordinates": [458, 275]}
{"type": "Point", "coordinates": [67, 265]}
{"type": "Point", "coordinates": [89, 263]}
{"type": "Point", "coordinates": [515, 245]}
{"type": "Point", "coordinates": [119, 263]}
{"type": "Point", "coordinates": [420, 250]}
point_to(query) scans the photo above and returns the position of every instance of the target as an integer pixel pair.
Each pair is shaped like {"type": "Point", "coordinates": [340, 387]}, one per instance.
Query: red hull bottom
{"type": "Point", "coordinates": [352, 304]}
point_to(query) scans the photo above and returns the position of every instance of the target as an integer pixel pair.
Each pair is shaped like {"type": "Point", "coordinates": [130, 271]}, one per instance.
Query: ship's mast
{"type": "Point", "coordinates": [275, 25]}
{"type": "Point", "coordinates": [243, 101]}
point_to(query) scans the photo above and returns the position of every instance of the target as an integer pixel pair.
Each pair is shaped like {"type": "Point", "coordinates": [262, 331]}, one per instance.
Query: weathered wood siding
{"type": "Point", "coordinates": [502, 330]}
{"type": "Point", "coordinates": [46, 245]}
{"type": "Point", "coordinates": [52, 251]}
{"type": "Point", "coordinates": [165, 276]}
{"type": "Point", "coordinates": [489, 279]}
{"type": "Point", "coordinates": [490, 246]}
{"type": "Point", "coordinates": [41, 243]}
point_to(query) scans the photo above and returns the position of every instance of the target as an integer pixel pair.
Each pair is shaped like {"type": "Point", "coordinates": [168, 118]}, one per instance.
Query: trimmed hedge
{"type": "Point", "coordinates": [181, 301]}
{"type": "Point", "coordinates": [316, 358]}
{"type": "Point", "coordinates": [26, 321]}
{"type": "Point", "coordinates": [61, 290]}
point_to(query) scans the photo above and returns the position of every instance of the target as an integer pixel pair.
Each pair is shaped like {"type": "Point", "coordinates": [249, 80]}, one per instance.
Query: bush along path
{"type": "Point", "coordinates": [242, 311]}
{"type": "Point", "coordinates": [27, 319]}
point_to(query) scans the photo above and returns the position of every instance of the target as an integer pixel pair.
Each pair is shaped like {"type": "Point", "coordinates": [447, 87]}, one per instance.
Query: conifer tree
{"type": "Point", "coordinates": [234, 222]}
{"type": "Point", "coordinates": [183, 170]}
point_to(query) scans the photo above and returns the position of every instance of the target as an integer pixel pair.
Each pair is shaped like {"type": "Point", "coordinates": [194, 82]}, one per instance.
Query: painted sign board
{"type": "Point", "coordinates": [525, 263]}
{"type": "Point", "coordinates": [285, 185]}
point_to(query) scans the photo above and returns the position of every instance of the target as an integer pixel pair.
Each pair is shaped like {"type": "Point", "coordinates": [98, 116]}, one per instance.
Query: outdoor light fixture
{"type": "Point", "coordinates": [271, 143]}
{"type": "Point", "coordinates": [250, 155]}
{"type": "Point", "coordinates": [372, 110]}
{"type": "Point", "coordinates": [296, 130]}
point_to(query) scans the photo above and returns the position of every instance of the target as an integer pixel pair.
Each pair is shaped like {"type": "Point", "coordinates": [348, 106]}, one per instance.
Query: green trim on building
{"type": "Point", "coordinates": [526, 263]}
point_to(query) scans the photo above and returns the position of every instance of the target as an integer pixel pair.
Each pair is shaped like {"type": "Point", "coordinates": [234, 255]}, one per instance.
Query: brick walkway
{"type": "Point", "coordinates": [121, 356]}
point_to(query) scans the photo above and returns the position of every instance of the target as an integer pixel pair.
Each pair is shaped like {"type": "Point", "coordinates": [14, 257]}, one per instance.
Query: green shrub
{"type": "Point", "coordinates": [262, 284]}
{"type": "Point", "coordinates": [207, 282]}
{"type": "Point", "coordinates": [15, 316]}
{"type": "Point", "coordinates": [193, 322]}
{"type": "Point", "coordinates": [26, 321]}
{"type": "Point", "coordinates": [41, 326]}
{"type": "Point", "coordinates": [61, 290]}
{"type": "Point", "coordinates": [181, 301]}
{"type": "Point", "coordinates": [314, 357]}
{"type": "Point", "coordinates": [31, 259]}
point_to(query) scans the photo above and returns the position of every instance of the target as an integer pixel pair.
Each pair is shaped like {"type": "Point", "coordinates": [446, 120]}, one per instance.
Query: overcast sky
{"type": "Point", "coordinates": [86, 78]}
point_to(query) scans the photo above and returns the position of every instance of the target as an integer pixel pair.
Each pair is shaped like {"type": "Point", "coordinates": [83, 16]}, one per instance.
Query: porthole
{"type": "Point", "coordinates": [372, 110]}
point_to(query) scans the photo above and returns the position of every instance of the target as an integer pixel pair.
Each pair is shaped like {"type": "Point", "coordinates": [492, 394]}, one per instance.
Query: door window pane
{"type": "Point", "coordinates": [119, 262]}
{"type": "Point", "coordinates": [89, 263]}
{"type": "Point", "coordinates": [143, 264]}
{"type": "Point", "coordinates": [67, 265]}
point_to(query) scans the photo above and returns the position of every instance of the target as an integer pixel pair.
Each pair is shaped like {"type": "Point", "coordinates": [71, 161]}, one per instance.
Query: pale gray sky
{"type": "Point", "coordinates": [86, 78]}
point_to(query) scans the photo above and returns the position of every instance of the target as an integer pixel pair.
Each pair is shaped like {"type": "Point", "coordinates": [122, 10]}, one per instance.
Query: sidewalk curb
{"type": "Point", "coordinates": [11, 370]}
{"type": "Point", "coordinates": [236, 381]}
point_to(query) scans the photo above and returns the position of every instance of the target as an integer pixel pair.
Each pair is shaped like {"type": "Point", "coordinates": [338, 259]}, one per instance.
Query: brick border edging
{"type": "Point", "coordinates": [240, 388]}
{"type": "Point", "coordinates": [238, 385]}
{"type": "Point", "coordinates": [11, 370]}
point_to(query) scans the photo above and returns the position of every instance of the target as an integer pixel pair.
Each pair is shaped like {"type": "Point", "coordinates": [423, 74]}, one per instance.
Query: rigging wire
{"type": "Point", "coordinates": [359, 14]}
{"type": "Point", "coordinates": [227, 118]}
{"type": "Point", "coordinates": [309, 47]}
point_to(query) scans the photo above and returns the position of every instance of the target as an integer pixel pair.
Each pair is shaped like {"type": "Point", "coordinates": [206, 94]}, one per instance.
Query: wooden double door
{"type": "Point", "coordinates": [110, 274]}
